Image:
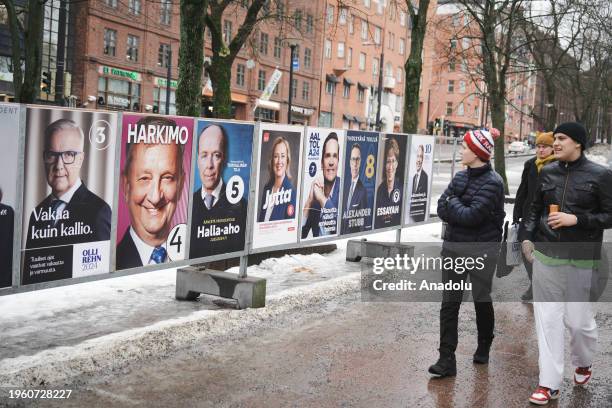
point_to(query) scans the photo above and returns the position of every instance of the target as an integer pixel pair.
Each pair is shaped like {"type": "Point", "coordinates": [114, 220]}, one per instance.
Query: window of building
{"type": "Point", "coordinates": [377, 35]}
{"type": "Point", "coordinates": [263, 43]}
{"type": "Point", "coordinates": [351, 24]}
{"type": "Point", "coordinates": [462, 86]}
{"type": "Point", "coordinates": [374, 66]}
{"type": "Point", "coordinates": [159, 100]}
{"type": "Point", "coordinates": [466, 43]}
{"type": "Point", "coordinates": [400, 74]}
{"type": "Point", "coordinates": [342, 15]}
{"type": "Point", "coordinates": [261, 80]}
{"type": "Point", "coordinates": [346, 91]}
{"type": "Point", "coordinates": [402, 18]}
{"type": "Point", "coordinates": [297, 17]}
{"type": "Point", "coordinates": [294, 88]}
{"type": "Point", "coordinates": [132, 48]}
{"type": "Point", "coordinates": [464, 67]}
{"type": "Point", "coordinates": [330, 14]}
{"type": "Point", "coordinates": [451, 65]}
{"type": "Point", "coordinates": [340, 50]}
{"type": "Point", "coordinates": [162, 55]}
{"type": "Point", "coordinates": [296, 53]}
{"type": "Point", "coordinates": [364, 30]}
{"type": "Point", "coordinates": [119, 94]}
{"type": "Point", "coordinates": [449, 108]}
{"type": "Point", "coordinates": [166, 12]}
{"type": "Point", "coordinates": [366, 3]}
{"type": "Point", "coordinates": [280, 10]}
{"type": "Point", "coordinates": [110, 42]}
{"type": "Point", "coordinates": [227, 31]}
{"type": "Point", "coordinates": [360, 94]}
{"type": "Point", "coordinates": [309, 23]}
{"type": "Point", "coordinates": [349, 57]}
{"type": "Point", "coordinates": [460, 111]}
{"type": "Point", "coordinates": [402, 46]}
{"type": "Point", "coordinates": [453, 44]}
{"type": "Point", "coordinates": [471, 98]}
{"type": "Point", "coordinates": [134, 6]}
{"type": "Point", "coordinates": [389, 69]}
{"type": "Point", "coordinates": [240, 70]}
{"type": "Point", "coordinates": [277, 47]}
{"type": "Point", "coordinates": [307, 57]}
{"type": "Point", "coordinates": [451, 86]}
{"type": "Point", "coordinates": [362, 61]}
{"type": "Point", "coordinates": [328, 46]}
{"type": "Point", "coordinates": [266, 115]}
{"type": "Point", "coordinates": [477, 112]}
{"type": "Point", "coordinates": [111, 3]}
{"type": "Point", "coordinates": [391, 44]}
{"type": "Point", "coordinates": [456, 20]}
{"type": "Point", "coordinates": [306, 91]}
{"type": "Point", "coordinates": [329, 87]}
{"type": "Point", "coordinates": [275, 90]}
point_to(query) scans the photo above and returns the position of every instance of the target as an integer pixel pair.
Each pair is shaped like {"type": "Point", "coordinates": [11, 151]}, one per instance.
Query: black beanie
{"type": "Point", "coordinates": [574, 130]}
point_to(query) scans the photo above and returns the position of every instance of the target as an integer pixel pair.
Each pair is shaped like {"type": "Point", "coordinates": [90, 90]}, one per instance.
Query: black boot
{"type": "Point", "coordinates": [481, 356]}
{"type": "Point", "coordinates": [446, 366]}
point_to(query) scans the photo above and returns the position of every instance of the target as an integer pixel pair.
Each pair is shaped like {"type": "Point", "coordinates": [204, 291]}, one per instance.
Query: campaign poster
{"type": "Point", "coordinates": [68, 193]}
{"type": "Point", "coordinates": [390, 181]}
{"type": "Point", "coordinates": [222, 172]}
{"type": "Point", "coordinates": [278, 183]}
{"type": "Point", "coordinates": [419, 178]}
{"type": "Point", "coordinates": [321, 183]}
{"type": "Point", "coordinates": [9, 140]}
{"type": "Point", "coordinates": [360, 182]}
{"type": "Point", "coordinates": [153, 190]}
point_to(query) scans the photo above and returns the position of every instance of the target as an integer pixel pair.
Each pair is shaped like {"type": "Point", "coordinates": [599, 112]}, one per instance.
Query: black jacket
{"type": "Point", "coordinates": [473, 206]}
{"type": "Point", "coordinates": [582, 188]}
{"type": "Point", "coordinates": [524, 194]}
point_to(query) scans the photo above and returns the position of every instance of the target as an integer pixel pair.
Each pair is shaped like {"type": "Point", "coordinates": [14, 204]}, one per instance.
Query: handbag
{"type": "Point", "coordinates": [503, 267]}
{"type": "Point", "coordinates": [513, 250]}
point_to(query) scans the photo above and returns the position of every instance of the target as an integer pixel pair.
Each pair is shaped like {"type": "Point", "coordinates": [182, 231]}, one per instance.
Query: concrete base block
{"type": "Point", "coordinates": [192, 280]}
{"type": "Point", "coordinates": [357, 249]}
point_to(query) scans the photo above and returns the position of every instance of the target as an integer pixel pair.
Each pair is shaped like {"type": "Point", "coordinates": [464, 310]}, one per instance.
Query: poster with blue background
{"type": "Point", "coordinates": [222, 169]}
{"type": "Point", "coordinates": [359, 181]}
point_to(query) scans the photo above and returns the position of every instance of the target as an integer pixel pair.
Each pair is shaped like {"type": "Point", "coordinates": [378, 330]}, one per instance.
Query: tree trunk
{"type": "Point", "coordinates": [16, 32]}
{"type": "Point", "coordinates": [551, 111]}
{"type": "Point", "coordinates": [413, 69]}
{"type": "Point", "coordinates": [191, 57]}
{"type": "Point", "coordinates": [498, 118]}
{"type": "Point", "coordinates": [30, 90]}
{"type": "Point", "coordinates": [220, 77]}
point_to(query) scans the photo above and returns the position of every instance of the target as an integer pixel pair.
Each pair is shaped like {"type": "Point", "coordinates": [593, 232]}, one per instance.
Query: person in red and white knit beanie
{"type": "Point", "coordinates": [481, 142]}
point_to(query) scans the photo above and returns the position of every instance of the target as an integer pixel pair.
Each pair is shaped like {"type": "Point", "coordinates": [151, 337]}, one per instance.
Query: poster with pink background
{"type": "Point", "coordinates": [153, 193]}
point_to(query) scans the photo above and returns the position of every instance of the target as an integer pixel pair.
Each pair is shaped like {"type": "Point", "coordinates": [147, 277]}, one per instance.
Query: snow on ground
{"type": "Point", "coordinates": [59, 333]}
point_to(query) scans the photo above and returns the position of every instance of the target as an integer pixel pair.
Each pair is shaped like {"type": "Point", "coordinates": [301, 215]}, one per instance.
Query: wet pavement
{"type": "Point", "coordinates": [349, 353]}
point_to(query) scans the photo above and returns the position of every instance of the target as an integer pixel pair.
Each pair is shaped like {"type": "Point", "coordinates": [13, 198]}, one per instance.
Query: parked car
{"type": "Point", "coordinates": [517, 147]}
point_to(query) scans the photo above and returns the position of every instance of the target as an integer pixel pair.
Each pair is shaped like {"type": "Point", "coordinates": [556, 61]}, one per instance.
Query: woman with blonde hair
{"type": "Point", "coordinates": [278, 198]}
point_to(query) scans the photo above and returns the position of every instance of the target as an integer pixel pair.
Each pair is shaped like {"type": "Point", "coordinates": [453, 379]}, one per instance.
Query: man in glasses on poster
{"type": "Point", "coordinates": [71, 213]}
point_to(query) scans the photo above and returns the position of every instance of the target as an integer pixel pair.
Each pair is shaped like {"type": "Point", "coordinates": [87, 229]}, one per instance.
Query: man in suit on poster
{"type": "Point", "coordinates": [71, 213]}
{"type": "Point", "coordinates": [152, 181]}
{"type": "Point", "coordinates": [420, 184]}
{"type": "Point", "coordinates": [6, 243]}
{"type": "Point", "coordinates": [210, 203]}
{"type": "Point", "coordinates": [355, 196]}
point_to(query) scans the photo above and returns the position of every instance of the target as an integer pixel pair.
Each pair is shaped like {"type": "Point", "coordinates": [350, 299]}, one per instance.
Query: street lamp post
{"type": "Point", "coordinates": [168, 79]}
{"type": "Point", "coordinates": [380, 86]}
{"type": "Point", "coordinates": [292, 46]}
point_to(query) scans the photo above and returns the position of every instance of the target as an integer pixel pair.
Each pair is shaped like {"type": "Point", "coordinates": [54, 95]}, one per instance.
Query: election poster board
{"type": "Point", "coordinates": [220, 199]}
{"type": "Point", "coordinates": [68, 193]}
{"type": "Point", "coordinates": [154, 194]}
{"type": "Point", "coordinates": [322, 183]}
{"type": "Point", "coordinates": [360, 157]}
{"type": "Point", "coordinates": [277, 185]}
{"type": "Point", "coordinates": [390, 180]}
{"type": "Point", "coordinates": [9, 140]}
{"type": "Point", "coordinates": [420, 168]}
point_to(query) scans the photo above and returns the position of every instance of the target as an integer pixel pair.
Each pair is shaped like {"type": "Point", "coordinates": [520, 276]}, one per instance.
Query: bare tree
{"type": "Point", "coordinates": [414, 64]}
{"type": "Point", "coordinates": [26, 28]}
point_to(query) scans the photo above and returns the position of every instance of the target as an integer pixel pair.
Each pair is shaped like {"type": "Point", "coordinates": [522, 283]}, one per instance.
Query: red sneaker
{"type": "Point", "coordinates": [582, 375]}
{"type": "Point", "coordinates": [543, 395]}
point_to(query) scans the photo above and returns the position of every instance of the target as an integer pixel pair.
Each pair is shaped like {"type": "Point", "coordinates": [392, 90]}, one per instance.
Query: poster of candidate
{"type": "Point", "coordinates": [419, 178]}
{"type": "Point", "coordinates": [9, 140]}
{"type": "Point", "coordinates": [390, 181]}
{"type": "Point", "coordinates": [321, 183]}
{"type": "Point", "coordinates": [222, 171]}
{"type": "Point", "coordinates": [153, 190]}
{"type": "Point", "coordinates": [359, 184]}
{"type": "Point", "coordinates": [278, 183]}
{"type": "Point", "coordinates": [68, 193]}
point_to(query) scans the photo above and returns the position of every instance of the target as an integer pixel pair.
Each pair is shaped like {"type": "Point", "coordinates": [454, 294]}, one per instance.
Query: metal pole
{"type": "Point", "coordinates": [454, 155]}
{"type": "Point", "coordinates": [168, 79]}
{"type": "Point", "coordinates": [331, 113]}
{"type": "Point", "coordinates": [427, 118]}
{"type": "Point", "coordinates": [380, 85]}
{"type": "Point", "coordinates": [242, 272]}
{"type": "Point", "coordinates": [292, 46]}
